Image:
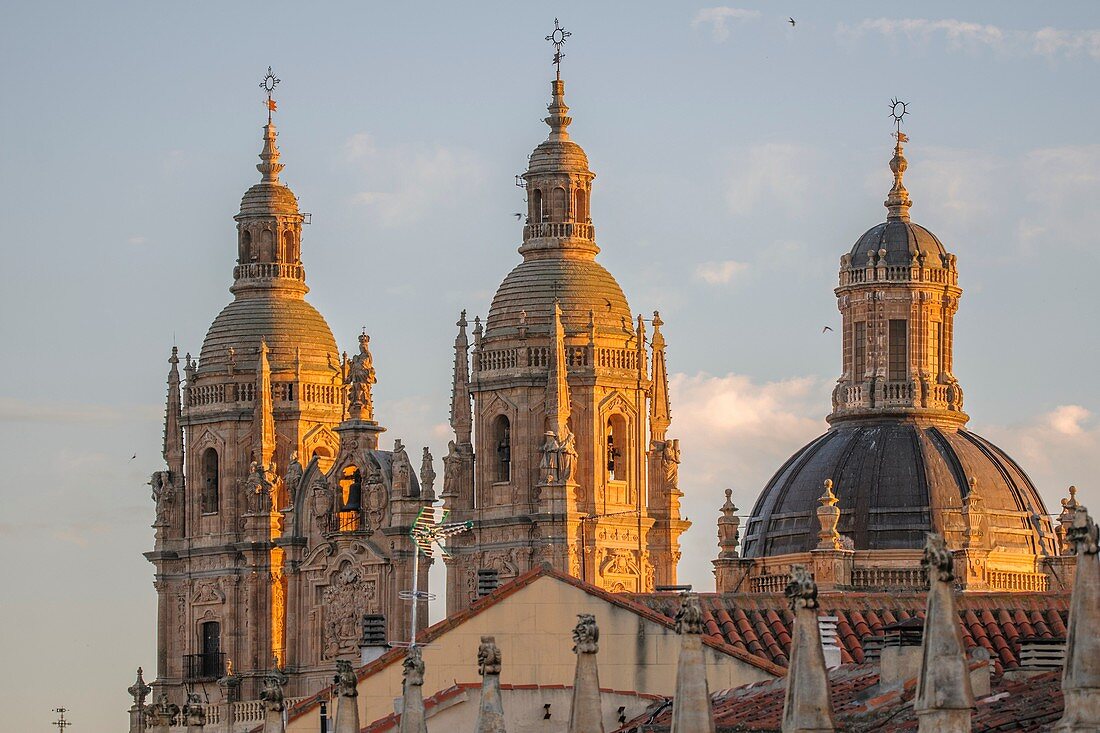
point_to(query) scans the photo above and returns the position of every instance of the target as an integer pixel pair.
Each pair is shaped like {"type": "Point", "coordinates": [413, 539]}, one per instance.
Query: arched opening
{"type": "Point", "coordinates": [580, 205]}
{"type": "Point", "coordinates": [558, 205]}
{"type": "Point", "coordinates": [351, 497]}
{"type": "Point", "coordinates": [208, 496]}
{"type": "Point", "coordinates": [536, 206]}
{"type": "Point", "coordinates": [502, 443]}
{"type": "Point", "coordinates": [210, 660]}
{"type": "Point", "coordinates": [244, 255]}
{"type": "Point", "coordinates": [267, 246]}
{"type": "Point", "coordinates": [617, 465]}
{"type": "Point", "coordinates": [290, 245]}
{"type": "Point", "coordinates": [324, 458]}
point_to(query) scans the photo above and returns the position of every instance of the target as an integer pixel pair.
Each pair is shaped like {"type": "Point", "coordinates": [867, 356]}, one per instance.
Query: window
{"type": "Point", "coordinates": [245, 254]}
{"type": "Point", "coordinates": [558, 205]}
{"type": "Point", "coordinates": [267, 246]}
{"type": "Point", "coordinates": [935, 335]}
{"type": "Point", "coordinates": [859, 350]}
{"type": "Point", "coordinates": [209, 489]}
{"type": "Point", "coordinates": [290, 252]}
{"type": "Point", "coordinates": [898, 368]}
{"type": "Point", "coordinates": [502, 445]}
{"type": "Point", "coordinates": [210, 664]}
{"type": "Point", "coordinates": [580, 208]}
{"type": "Point", "coordinates": [536, 206]}
{"type": "Point", "coordinates": [616, 443]}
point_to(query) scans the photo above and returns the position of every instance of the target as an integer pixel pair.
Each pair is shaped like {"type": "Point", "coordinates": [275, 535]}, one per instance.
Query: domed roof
{"type": "Point", "coordinates": [552, 156]}
{"type": "Point", "coordinates": [896, 481]}
{"type": "Point", "coordinates": [285, 323]}
{"type": "Point", "coordinates": [268, 198]}
{"type": "Point", "coordinates": [579, 285]}
{"type": "Point", "coordinates": [902, 240]}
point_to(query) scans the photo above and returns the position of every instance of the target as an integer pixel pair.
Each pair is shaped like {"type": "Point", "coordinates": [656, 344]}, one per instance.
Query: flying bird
{"type": "Point", "coordinates": [791, 21]}
{"type": "Point", "coordinates": [827, 328]}
{"type": "Point", "coordinates": [133, 456]}
{"type": "Point", "coordinates": [518, 216]}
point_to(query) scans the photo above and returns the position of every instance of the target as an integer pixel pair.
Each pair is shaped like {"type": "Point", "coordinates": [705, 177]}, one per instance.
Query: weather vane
{"type": "Point", "coordinates": [61, 723]}
{"type": "Point", "coordinates": [898, 110]}
{"type": "Point", "coordinates": [268, 85]}
{"type": "Point", "coordinates": [558, 39]}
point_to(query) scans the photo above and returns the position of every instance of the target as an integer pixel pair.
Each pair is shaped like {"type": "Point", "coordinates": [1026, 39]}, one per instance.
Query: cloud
{"type": "Point", "coordinates": [779, 172]}
{"type": "Point", "coordinates": [406, 182]}
{"type": "Point", "coordinates": [137, 240]}
{"type": "Point", "coordinates": [27, 411]}
{"type": "Point", "coordinates": [964, 35]}
{"type": "Point", "coordinates": [719, 19]}
{"type": "Point", "coordinates": [720, 273]}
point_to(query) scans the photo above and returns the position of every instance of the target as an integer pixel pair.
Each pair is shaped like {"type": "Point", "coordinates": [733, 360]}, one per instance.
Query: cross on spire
{"type": "Point", "coordinates": [557, 37]}
{"type": "Point", "coordinates": [61, 723]}
{"type": "Point", "coordinates": [268, 85]}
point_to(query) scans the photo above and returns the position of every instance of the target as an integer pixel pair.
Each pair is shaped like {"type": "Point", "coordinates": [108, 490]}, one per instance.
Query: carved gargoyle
{"type": "Point", "coordinates": [938, 561]}
{"type": "Point", "coordinates": [801, 591]}
{"type": "Point", "coordinates": [586, 634]}
{"type": "Point", "coordinates": [488, 656]}
{"type": "Point", "coordinates": [689, 619]}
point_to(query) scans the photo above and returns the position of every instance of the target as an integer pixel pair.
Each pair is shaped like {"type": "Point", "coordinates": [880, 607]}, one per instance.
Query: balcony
{"type": "Point", "coordinates": [206, 666]}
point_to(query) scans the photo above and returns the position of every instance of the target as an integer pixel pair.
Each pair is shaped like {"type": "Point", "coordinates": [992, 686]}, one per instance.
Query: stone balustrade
{"type": "Point", "coordinates": [267, 270]}
{"type": "Point", "coordinates": [285, 391]}
{"type": "Point", "coordinates": [562, 230]}
{"type": "Point", "coordinates": [899, 273]}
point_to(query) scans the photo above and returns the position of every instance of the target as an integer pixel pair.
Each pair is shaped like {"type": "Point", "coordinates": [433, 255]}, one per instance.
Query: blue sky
{"type": "Point", "coordinates": [737, 158]}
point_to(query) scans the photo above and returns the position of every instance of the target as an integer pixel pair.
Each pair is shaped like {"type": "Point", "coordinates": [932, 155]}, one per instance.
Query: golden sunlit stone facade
{"type": "Point", "coordinates": [280, 523]}
{"type": "Point", "coordinates": [569, 408]}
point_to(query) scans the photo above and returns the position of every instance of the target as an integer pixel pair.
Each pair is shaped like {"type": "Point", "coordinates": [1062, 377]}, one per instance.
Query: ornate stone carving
{"type": "Point", "coordinates": [163, 496]}
{"type": "Point", "coordinates": [360, 377]}
{"type": "Point", "coordinates": [427, 475]}
{"type": "Point", "coordinates": [161, 713]}
{"type": "Point", "coordinates": [828, 515]}
{"type": "Point", "coordinates": [938, 561]}
{"type": "Point", "coordinates": [323, 504]}
{"type": "Point", "coordinates": [670, 462]}
{"type": "Point", "coordinates": [139, 690]}
{"type": "Point", "coordinates": [586, 634]}
{"type": "Point", "coordinates": [293, 479]}
{"type": "Point", "coordinates": [801, 591]}
{"type": "Point", "coordinates": [729, 525]}
{"type": "Point", "coordinates": [413, 666]}
{"type": "Point", "coordinates": [452, 468]}
{"type": "Point", "coordinates": [1065, 521]}
{"type": "Point", "coordinates": [257, 487]}
{"type": "Point", "coordinates": [402, 470]}
{"type": "Point", "coordinates": [377, 498]}
{"type": "Point", "coordinates": [488, 656]}
{"type": "Point", "coordinates": [345, 680]}
{"type": "Point", "coordinates": [689, 619]}
{"type": "Point", "coordinates": [344, 602]}
{"type": "Point", "coordinates": [194, 712]}
{"type": "Point", "coordinates": [272, 692]}
{"type": "Point", "coordinates": [1083, 533]}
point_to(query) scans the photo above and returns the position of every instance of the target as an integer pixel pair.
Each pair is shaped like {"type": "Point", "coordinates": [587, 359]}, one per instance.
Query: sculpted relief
{"type": "Point", "coordinates": [344, 601]}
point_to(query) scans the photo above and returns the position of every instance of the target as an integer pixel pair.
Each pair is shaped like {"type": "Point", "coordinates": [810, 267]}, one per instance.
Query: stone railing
{"type": "Point", "coordinates": [895, 578]}
{"type": "Point", "coordinates": [210, 394]}
{"type": "Point", "coordinates": [899, 273]}
{"type": "Point", "coordinates": [565, 230]}
{"type": "Point", "coordinates": [771, 583]}
{"type": "Point", "coordinates": [538, 357]}
{"type": "Point", "coordinates": [617, 359]}
{"type": "Point", "coordinates": [260, 270]}
{"type": "Point", "coordinates": [206, 394]}
{"type": "Point", "coordinates": [249, 711]}
{"type": "Point", "coordinates": [488, 361]}
{"type": "Point", "coordinates": [329, 394]}
{"type": "Point", "coordinates": [1014, 581]}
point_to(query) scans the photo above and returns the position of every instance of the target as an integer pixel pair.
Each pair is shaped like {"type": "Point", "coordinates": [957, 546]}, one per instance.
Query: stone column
{"type": "Point", "coordinates": [274, 702]}
{"type": "Point", "coordinates": [586, 710]}
{"type": "Point", "coordinates": [138, 691]}
{"type": "Point", "coordinates": [347, 698]}
{"type": "Point", "coordinates": [490, 714]}
{"type": "Point", "coordinates": [691, 709]}
{"type": "Point", "coordinates": [412, 709]}
{"type": "Point", "coordinates": [944, 697]}
{"type": "Point", "coordinates": [807, 706]}
{"type": "Point", "coordinates": [1081, 675]}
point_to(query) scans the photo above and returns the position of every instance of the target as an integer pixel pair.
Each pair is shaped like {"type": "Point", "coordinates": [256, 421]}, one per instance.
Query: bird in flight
{"type": "Point", "coordinates": [133, 456]}
{"type": "Point", "coordinates": [518, 216]}
{"type": "Point", "coordinates": [791, 21]}
{"type": "Point", "coordinates": [827, 328]}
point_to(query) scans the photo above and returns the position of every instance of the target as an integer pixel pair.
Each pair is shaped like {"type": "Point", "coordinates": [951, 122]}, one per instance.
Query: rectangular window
{"type": "Point", "coordinates": [899, 351]}
{"type": "Point", "coordinates": [859, 351]}
{"type": "Point", "coordinates": [935, 333]}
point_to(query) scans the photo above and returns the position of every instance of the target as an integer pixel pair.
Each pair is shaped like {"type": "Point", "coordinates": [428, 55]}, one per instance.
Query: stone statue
{"type": "Point", "coordinates": [360, 377]}
{"type": "Point", "coordinates": [323, 504]}
{"type": "Point", "coordinates": [451, 468]}
{"type": "Point", "coordinates": [345, 680]}
{"type": "Point", "coordinates": [162, 496]}
{"type": "Point", "coordinates": [586, 634]}
{"type": "Point", "coordinates": [670, 460]}
{"type": "Point", "coordinates": [413, 666]}
{"type": "Point", "coordinates": [689, 619]}
{"type": "Point", "coordinates": [567, 460]}
{"type": "Point", "coordinates": [504, 455]}
{"type": "Point", "coordinates": [801, 591]}
{"type": "Point", "coordinates": [550, 465]}
{"type": "Point", "coordinates": [272, 692]}
{"type": "Point", "coordinates": [938, 559]}
{"type": "Point", "coordinates": [402, 469]}
{"type": "Point", "coordinates": [257, 487]}
{"type": "Point", "coordinates": [194, 713]}
{"type": "Point", "coordinates": [488, 656]}
{"type": "Point", "coordinates": [377, 499]}
{"type": "Point", "coordinates": [427, 474]}
{"type": "Point", "coordinates": [1083, 534]}
{"type": "Point", "coordinates": [292, 479]}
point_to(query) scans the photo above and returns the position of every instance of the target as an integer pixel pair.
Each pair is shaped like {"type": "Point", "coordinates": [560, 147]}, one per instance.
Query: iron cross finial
{"type": "Point", "coordinates": [898, 110]}
{"type": "Point", "coordinates": [558, 39]}
{"type": "Point", "coordinates": [268, 85]}
{"type": "Point", "coordinates": [61, 723]}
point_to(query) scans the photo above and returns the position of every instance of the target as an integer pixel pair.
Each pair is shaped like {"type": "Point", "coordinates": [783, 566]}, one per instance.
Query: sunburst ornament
{"type": "Point", "coordinates": [898, 110]}
{"type": "Point", "coordinates": [268, 85]}
{"type": "Point", "coordinates": [558, 39]}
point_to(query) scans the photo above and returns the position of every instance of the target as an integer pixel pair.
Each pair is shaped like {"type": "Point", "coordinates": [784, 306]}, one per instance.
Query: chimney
{"type": "Point", "coordinates": [830, 642]}
{"type": "Point", "coordinates": [900, 657]}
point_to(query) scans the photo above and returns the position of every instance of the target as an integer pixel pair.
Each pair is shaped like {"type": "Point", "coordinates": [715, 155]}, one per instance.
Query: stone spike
{"type": "Point", "coordinates": [557, 385]}
{"type": "Point", "coordinates": [944, 696]}
{"type": "Point", "coordinates": [660, 413]}
{"type": "Point", "coordinates": [559, 118]}
{"type": "Point", "coordinates": [347, 694]}
{"type": "Point", "coordinates": [1081, 674]}
{"type": "Point", "coordinates": [586, 710]}
{"type": "Point", "coordinates": [691, 708]}
{"type": "Point", "coordinates": [461, 415]}
{"type": "Point", "coordinates": [808, 706]}
{"type": "Point", "coordinates": [173, 424]}
{"type": "Point", "coordinates": [490, 714]}
{"type": "Point", "coordinates": [263, 420]}
{"type": "Point", "coordinates": [413, 719]}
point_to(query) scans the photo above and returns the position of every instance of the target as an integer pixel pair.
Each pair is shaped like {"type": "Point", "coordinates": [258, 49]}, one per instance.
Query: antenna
{"type": "Point", "coordinates": [427, 531]}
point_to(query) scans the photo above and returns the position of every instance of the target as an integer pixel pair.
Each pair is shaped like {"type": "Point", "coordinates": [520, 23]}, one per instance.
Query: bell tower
{"type": "Point", "coordinates": [568, 420]}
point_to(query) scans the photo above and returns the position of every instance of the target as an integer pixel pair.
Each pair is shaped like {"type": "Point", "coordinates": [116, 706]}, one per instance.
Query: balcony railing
{"type": "Point", "coordinates": [206, 666]}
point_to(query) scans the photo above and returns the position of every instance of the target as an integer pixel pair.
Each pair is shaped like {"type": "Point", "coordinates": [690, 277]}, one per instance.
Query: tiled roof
{"type": "Point", "coordinates": [859, 705]}
{"type": "Point", "coordinates": [760, 623]}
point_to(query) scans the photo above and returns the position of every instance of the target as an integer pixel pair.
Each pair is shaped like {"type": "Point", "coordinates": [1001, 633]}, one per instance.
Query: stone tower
{"type": "Point", "coordinates": [279, 522]}
{"type": "Point", "coordinates": [569, 408]}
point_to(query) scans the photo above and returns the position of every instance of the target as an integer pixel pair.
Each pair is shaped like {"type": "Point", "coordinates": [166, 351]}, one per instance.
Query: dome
{"type": "Point", "coordinates": [579, 285]}
{"type": "Point", "coordinates": [285, 323]}
{"type": "Point", "coordinates": [552, 156]}
{"type": "Point", "coordinates": [902, 240]}
{"type": "Point", "coordinates": [896, 481]}
{"type": "Point", "coordinates": [268, 199]}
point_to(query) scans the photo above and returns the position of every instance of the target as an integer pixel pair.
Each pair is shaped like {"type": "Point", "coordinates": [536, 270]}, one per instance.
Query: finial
{"type": "Point", "coordinates": [557, 37]}
{"type": "Point", "coordinates": [898, 201]}
{"type": "Point", "coordinates": [657, 322]}
{"type": "Point", "coordinates": [268, 85]}
{"type": "Point", "coordinates": [269, 156]}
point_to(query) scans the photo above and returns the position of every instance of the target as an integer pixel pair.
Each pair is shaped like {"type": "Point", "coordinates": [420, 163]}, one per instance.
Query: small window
{"type": "Point", "coordinates": [558, 206]}
{"type": "Point", "coordinates": [209, 489]}
{"type": "Point", "coordinates": [536, 206]}
{"type": "Point", "coordinates": [616, 444]}
{"type": "Point", "coordinates": [580, 208]}
{"type": "Point", "coordinates": [935, 337]}
{"type": "Point", "coordinates": [899, 351]}
{"type": "Point", "coordinates": [859, 350]}
{"type": "Point", "coordinates": [502, 444]}
{"type": "Point", "coordinates": [244, 256]}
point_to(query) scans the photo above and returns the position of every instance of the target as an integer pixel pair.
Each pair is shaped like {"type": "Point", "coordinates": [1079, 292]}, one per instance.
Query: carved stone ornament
{"type": "Point", "coordinates": [292, 479]}
{"type": "Point", "coordinates": [586, 634]}
{"type": "Point", "coordinates": [689, 619]}
{"type": "Point", "coordinates": [1083, 533]}
{"type": "Point", "coordinates": [488, 656]}
{"type": "Point", "coordinates": [163, 496]}
{"type": "Point", "coordinates": [413, 666]}
{"type": "Point", "coordinates": [801, 591]}
{"type": "Point", "coordinates": [401, 470]}
{"type": "Point", "coordinates": [322, 504]}
{"type": "Point", "coordinates": [194, 713]}
{"type": "Point", "coordinates": [345, 600]}
{"type": "Point", "coordinates": [938, 561]}
{"type": "Point", "coordinates": [139, 690]}
{"type": "Point", "coordinates": [161, 713]}
{"type": "Point", "coordinates": [272, 692]}
{"type": "Point", "coordinates": [345, 680]}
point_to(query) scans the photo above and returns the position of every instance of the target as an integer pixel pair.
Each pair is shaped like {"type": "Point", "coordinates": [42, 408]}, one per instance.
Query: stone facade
{"type": "Point", "coordinates": [569, 408]}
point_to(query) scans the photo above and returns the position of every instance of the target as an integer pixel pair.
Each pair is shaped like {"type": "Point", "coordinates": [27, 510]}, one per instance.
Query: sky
{"type": "Point", "coordinates": [737, 158]}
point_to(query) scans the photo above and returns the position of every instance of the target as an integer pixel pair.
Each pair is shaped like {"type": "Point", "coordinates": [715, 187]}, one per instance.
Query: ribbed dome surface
{"type": "Point", "coordinates": [580, 286]}
{"type": "Point", "coordinates": [557, 155]}
{"type": "Point", "coordinates": [266, 199]}
{"type": "Point", "coordinates": [901, 240]}
{"type": "Point", "coordinates": [894, 481]}
{"type": "Point", "coordinates": [286, 324]}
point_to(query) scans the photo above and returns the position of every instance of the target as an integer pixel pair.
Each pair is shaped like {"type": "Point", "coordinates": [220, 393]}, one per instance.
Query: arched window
{"type": "Point", "coordinates": [245, 255]}
{"type": "Point", "coordinates": [267, 245]}
{"type": "Point", "coordinates": [209, 487]}
{"type": "Point", "coordinates": [502, 444]}
{"type": "Point", "coordinates": [290, 247]}
{"type": "Point", "coordinates": [536, 206]}
{"type": "Point", "coordinates": [580, 206]}
{"type": "Point", "coordinates": [617, 465]}
{"type": "Point", "coordinates": [558, 205]}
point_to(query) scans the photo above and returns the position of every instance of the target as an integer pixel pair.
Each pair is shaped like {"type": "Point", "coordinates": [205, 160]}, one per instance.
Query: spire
{"type": "Point", "coordinates": [660, 414]}
{"type": "Point", "coordinates": [461, 417]}
{"type": "Point", "coordinates": [559, 118]}
{"type": "Point", "coordinates": [898, 202]}
{"type": "Point", "coordinates": [808, 705]}
{"type": "Point", "coordinates": [263, 420]}
{"type": "Point", "coordinates": [412, 709]}
{"type": "Point", "coordinates": [691, 710]}
{"type": "Point", "coordinates": [586, 712]}
{"type": "Point", "coordinates": [1081, 674]}
{"type": "Point", "coordinates": [269, 165]}
{"type": "Point", "coordinates": [557, 387]}
{"type": "Point", "coordinates": [173, 425]}
{"type": "Point", "coordinates": [944, 697]}
{"type": "Point", "coordinates": [729, 528]}
{"type": "Point", "coordinates": [490, 714]}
